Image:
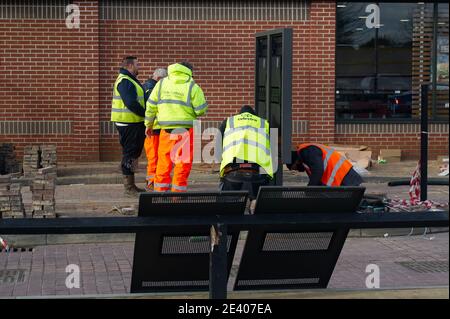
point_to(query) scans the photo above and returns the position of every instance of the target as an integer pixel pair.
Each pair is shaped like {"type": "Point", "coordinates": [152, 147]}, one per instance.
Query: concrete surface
{"type": "Point", "coordinates": [106, 269]}
{"type": "Point", "coordinates": [408, 293]}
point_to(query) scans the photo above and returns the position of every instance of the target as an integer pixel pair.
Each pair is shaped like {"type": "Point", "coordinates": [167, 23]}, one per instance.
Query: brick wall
{"type": "Point", "coordinates": [52, 73]}
{"type": "Point", "coordinates": [395, 136]}
{"type": "Point", "coordinates": [222, 53]}
{"type": "Point", "coordinates": [408, 143]}
{"type": "Point", "coordinates": [320, 85]}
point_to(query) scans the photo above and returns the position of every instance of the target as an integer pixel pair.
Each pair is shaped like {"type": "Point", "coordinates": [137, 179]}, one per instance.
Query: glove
{"type": "Point", "coordinates": [148, 131]}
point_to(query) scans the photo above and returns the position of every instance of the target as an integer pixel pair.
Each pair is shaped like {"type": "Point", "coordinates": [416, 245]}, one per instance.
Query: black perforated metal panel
{"type": "Point", "coordinates": [281, 258]}
{"type": "Point", "coordinates": [191, 203]}
{"type": "Point", "coordinates": [291, 257]}
{"type": "Point", "coordinates": [175, 284]}
{"type": "Point", "coordinates": [278, 282]}
{"type": "Point", "coordinates": [296, 241]}
{"type": "Point", "coordinates": [312, 199]}
{"type": "Point", "coordinates": [178, 260]}
{"type": "Point", "coordinates": [188, 245]}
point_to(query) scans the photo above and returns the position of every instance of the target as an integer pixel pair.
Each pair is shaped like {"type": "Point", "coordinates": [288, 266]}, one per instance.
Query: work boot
{"type": "Point", "coordinates": [149, 187]}
{"type": "Point", "coordinates": [131, 190]}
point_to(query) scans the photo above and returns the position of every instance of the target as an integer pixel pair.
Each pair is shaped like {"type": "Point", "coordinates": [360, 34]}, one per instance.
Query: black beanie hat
{"type": "Point", "coordinates": [248, 109]}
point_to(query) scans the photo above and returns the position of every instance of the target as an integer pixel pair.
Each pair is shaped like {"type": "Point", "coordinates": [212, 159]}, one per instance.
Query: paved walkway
{"type": "Point", "coordinates": [394, 169]}
{"type": "Point", "coordinates": [98, 199]}
{"type": "Point", "coordinates": [93, 189]}
{"type": "Point", "coordinates": [106, 268]}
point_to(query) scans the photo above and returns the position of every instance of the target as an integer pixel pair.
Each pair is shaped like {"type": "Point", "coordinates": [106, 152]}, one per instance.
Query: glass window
{"type": "Point", "coordinates": [394, 38]}
{"type": "Point", "coordinates": [442, 89]}
{"type": "Point", "coordinates": [355, 54]}
{"type": "Point", "coordinates": [383, 55]}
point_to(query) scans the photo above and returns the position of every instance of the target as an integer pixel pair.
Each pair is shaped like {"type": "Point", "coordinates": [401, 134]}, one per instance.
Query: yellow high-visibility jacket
{"type": "Point", "coordinates": [176, 101]}
{"type": "Point", "coordinates": [247, 137]}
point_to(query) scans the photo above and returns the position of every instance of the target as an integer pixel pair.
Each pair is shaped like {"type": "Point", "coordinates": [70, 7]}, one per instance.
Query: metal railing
{"type": "Point", "coordinates": [220, 225]}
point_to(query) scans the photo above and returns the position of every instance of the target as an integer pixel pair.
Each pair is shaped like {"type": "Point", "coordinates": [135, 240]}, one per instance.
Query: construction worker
{"type": "Point", "coordinates": [152, 141]}
{"type": "Point", "coordinates": [246, 155]}
{"type": "Point", "coordinates": [127, 112]}
{"type": "Point", "coordinates": [324, 166]}
{"type": "Point", "coordinates": [175, 102]}
{"type": "Point", "coordinates": [151, 82]}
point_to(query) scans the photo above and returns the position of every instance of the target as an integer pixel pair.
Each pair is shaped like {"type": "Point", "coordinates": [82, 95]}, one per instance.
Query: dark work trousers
{"type": "Point", "coordinates": [352, 179]}
{"type": "Point", "coordinates": [132, 138]}
{"type": "Point", "coordinates": [244, 181]}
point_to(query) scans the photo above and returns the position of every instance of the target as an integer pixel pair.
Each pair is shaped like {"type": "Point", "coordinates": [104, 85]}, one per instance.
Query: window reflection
{"type": "Point", "coordinates": [379, 69]}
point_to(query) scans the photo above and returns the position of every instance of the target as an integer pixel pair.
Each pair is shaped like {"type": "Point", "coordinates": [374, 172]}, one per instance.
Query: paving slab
{"type": "Point", "coordinates": [404, 262]}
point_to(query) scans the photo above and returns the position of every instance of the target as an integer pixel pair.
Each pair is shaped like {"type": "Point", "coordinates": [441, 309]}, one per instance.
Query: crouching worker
{"type": "Point", "coordinates": [324, 166]}
{"type": "Point", "coordinates": [246, 157]}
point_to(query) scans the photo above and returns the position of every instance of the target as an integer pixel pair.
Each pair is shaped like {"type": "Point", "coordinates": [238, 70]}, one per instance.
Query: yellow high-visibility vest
{"type": "Point", "coordinates": [119, 112]}
{"type": "Point", "coordinates": [247, 137]}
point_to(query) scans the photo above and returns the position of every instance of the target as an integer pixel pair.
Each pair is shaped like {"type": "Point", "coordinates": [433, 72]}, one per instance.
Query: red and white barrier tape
{"type": "Point", "coordinates": [414, 185]}
{"type": "Point", "coordinates": [414, 203]}
{"type": "Point", "coordinates": [410, 205]}
{"type": "Point", "coordinates": [4, 244]}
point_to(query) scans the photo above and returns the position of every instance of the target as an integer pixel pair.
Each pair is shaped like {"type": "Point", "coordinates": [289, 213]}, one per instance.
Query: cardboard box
{"type": "Point", "coordinates": [442, 159]}
{"type": "Point", "coordinates": [361, 158]}
{"type": "Point", "coordinates": [340, 147]}
{"type": "Point", "coordinates": [391, 155]}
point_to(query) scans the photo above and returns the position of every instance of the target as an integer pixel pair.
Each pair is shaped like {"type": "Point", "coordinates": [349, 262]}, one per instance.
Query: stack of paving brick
{"type": "Point", "coordinates": [36, 157]}
{"type": "Point", "coordinates": [15, 200]}
{"type": "Point", "coordinates": [43, 193]}
{"type": "Point", "coordinates": [5, 206]}
{"type": "Point", "coordinates": [48, 155]}
{"type": "Point", "coordinates": [8, 160]}
{"type": "Point", "coordinates": [31, 160]}
{"type": "Point", "coordinates": [11, 205]}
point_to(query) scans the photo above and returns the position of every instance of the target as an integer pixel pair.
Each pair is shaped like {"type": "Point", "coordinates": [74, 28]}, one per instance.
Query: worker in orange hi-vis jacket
{"type": "Point", "coordinates": [324, 166]}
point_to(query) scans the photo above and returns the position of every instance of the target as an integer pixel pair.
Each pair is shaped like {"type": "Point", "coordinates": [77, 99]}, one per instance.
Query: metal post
{"type": "Point", "coordinates": [218, 262]}
{"type": "Point", "coordinates": [434, 60]}
{"type": "Point", "coordinates": [423, 141]}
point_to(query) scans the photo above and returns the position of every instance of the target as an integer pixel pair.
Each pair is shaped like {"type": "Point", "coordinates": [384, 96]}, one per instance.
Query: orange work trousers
{"type": "Point", "coordinates": [175, 149]}
{"type": "Point", "coordinates": [151, 150]}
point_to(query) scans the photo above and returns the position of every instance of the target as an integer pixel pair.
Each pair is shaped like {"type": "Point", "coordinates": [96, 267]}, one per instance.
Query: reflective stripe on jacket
{"type": "Point", "coordinates": [247, 138]}
{"type": "Point", "coordinates": [119, 111]}
{"type": "Point", "coordinates": [335, 165]}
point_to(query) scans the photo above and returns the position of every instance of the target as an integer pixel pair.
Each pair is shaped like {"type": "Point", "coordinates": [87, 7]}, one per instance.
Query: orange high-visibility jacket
{"type": "Point", "coordinates": [335, 165]}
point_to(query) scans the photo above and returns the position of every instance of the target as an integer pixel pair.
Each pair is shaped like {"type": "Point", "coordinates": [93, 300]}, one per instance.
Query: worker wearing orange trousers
{"type": "Point", "coordinates": [151, 150]}
{"type": "Point", "coordinates": [152, 141]}
{"type": "Point", "coordinates": [175, 103]}
{"type": "Point", "coordinates": [176, 148]}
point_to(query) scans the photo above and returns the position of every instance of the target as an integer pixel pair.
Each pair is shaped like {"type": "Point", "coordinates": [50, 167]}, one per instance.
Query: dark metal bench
{"type": "Point", "coordinates": [178, 259]}
{"type": "Point", "coordinates": [282, 257]}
